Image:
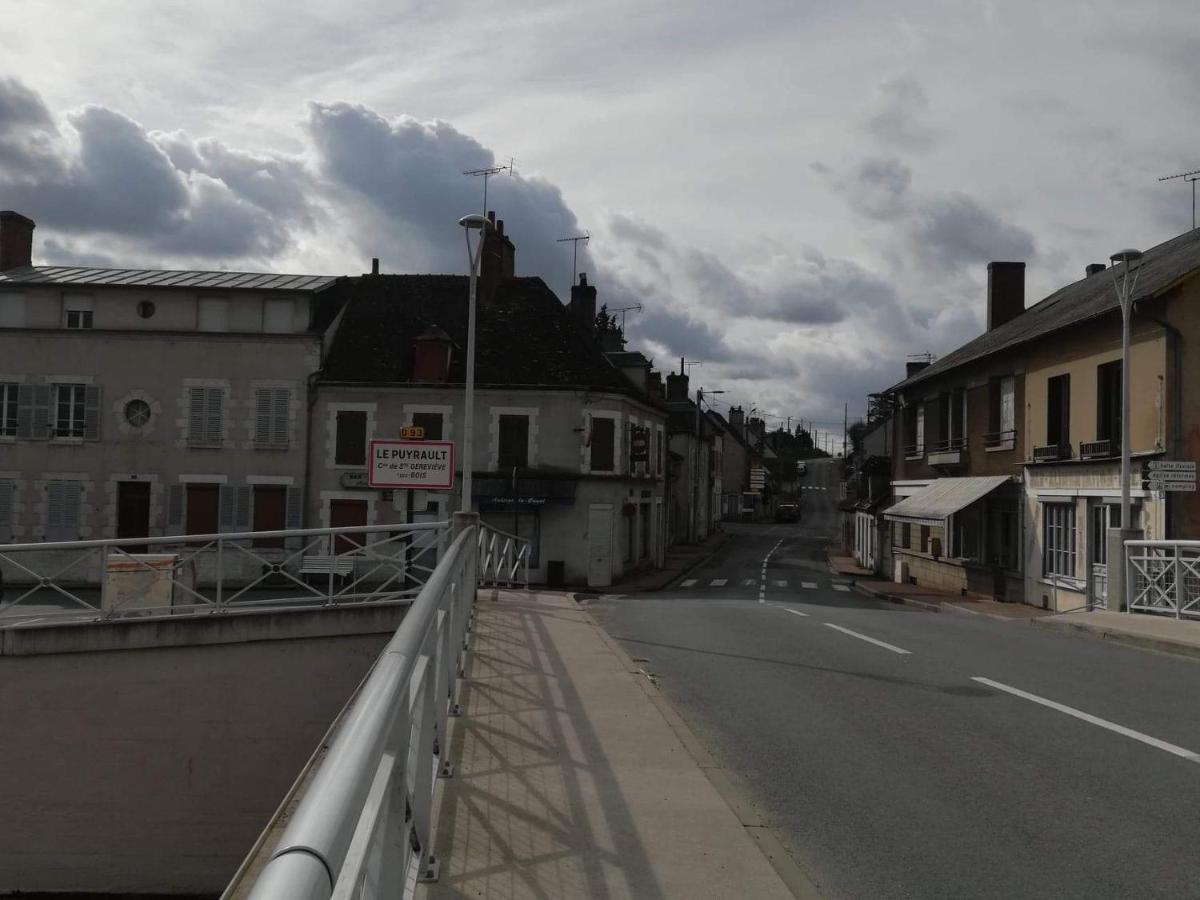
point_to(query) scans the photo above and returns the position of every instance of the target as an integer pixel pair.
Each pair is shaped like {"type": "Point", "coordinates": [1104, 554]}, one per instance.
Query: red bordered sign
{"type": "Point", "coordinates": [418, 465]}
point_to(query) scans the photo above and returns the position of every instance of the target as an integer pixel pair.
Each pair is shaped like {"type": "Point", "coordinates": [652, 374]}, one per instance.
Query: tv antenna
{"type": "Point", "coordinates": [637, 307]}
{"type": "Point", "coordinates": [688, 363]}
{"type": "Point", "coordinates": [585, 237]}
{"type": "Point", "coordinates": [487, 173]}
{"type": "Point", "coordinates": [925, 357]}
{"type": "Point", "coordinates": [1192, 177]}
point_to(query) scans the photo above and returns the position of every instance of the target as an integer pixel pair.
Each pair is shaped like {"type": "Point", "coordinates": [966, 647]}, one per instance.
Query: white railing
{"type": "Point", "coordinates": [83, 581]}
{"type": "Point", "coordinates": [359, 820]}
{"type": "Point", "coordinates": [503, 557]}
{"type": "Point", "coordinates": [1163, 577]}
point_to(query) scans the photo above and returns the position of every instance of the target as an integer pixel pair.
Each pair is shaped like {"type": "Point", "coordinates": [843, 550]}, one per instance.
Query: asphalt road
{"type": "Point", "coordinates": [891, 770]}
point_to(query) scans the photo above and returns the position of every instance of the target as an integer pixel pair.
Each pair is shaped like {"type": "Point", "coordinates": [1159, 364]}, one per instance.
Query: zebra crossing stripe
{"type": "Point", "coordinates": [809, 585]}
{"type": "Point", "coordinates": [718, 582]}
{"type": "Point", "coordinates": [687, 583]}
{"type": "Point", "coordinates": [780, 583]}
{"type": "Point", "coordinates": [840, 587]}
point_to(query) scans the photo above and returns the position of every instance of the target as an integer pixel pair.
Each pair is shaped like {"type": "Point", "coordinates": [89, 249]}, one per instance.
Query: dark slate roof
{"type": "Point", "coordinates": [1162, 267]}
{"type": "Point", "coordinates": [524, 337]}
{"type": "Point", "coordinates": [84, 276]}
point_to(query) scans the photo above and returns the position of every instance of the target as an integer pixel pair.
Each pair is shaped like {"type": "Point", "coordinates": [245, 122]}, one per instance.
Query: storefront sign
{"type": "Point", "coordinates": [427, 465]}
{"type": "Point", "coordinates": [639, 445]}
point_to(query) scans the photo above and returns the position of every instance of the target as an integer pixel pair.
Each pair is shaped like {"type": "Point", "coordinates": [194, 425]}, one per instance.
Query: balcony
{"type": "Point", "coordinates": [1099, 449]}
{"type": "Point", "coordinates": [952, 452]}
{"type": "Point", "coordinates": [1051, 452]}
{"type": "Point", "coordinates": [914, 451]}
{"type": "Point", "coordinates": [1000, 440]}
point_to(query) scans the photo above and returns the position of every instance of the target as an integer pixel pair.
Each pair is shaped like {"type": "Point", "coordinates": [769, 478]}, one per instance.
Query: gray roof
{"type": "Point", "coordinates": [1162, 267]}
{"type": "Point", "coordinates": [84, 276]}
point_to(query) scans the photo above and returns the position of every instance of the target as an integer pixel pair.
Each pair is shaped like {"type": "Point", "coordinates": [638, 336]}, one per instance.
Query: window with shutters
{"type": "Point", "coordinates": [201, 508]}
{"type": "Point", "coordinates": [9, 392]}
{"type": "Point", "coordinates": [69, 409]}
{"type": "Point", "coordinates": [63, 505]}
{"type": "Point", "coordinates": [205, 416]}
{"type": "Point", "coordinates": [513, 442]}
{"type": "Point", "coordinates": [602, 439]}
{"type": "Point", "coordinates": [350, 441]}
{"type": "Point", "coordinates": [8, 496]}
{"type": "Point", "coordinates": [270, 512]}
{"type": "Point", "coordinates": [271, 407]}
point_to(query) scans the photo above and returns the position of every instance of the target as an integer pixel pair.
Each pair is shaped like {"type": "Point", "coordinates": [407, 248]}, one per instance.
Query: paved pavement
{"type": "Point", "coordinates": [901, 754]}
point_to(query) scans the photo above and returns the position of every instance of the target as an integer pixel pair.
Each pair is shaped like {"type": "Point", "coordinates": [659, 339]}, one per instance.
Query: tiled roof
{"type": "Point", "coordinates": [1161, 268]}
{"type": "Point", "coordinates": [524, 337]}
{"type": "Point", "coordinates": [83, 276]}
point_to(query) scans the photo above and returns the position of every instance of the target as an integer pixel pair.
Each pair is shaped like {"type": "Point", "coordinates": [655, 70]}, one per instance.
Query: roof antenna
{"type": "Point", "coordinates": [585, 237]}
{"type": "Point", "coordinates": [1192, 177]}
{"type": "Point", "coordinates": [637, 307]}
{"type": "Point", "coordinates": [488, 173]}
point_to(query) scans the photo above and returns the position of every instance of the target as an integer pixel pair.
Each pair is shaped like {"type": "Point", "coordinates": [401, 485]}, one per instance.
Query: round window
{"type": "Point", "coordinates": [137, 413]}
{"type": "Point", "coordinates": [145, 309]}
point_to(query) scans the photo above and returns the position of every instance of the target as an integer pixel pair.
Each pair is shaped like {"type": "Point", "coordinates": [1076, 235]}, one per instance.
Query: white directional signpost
{"type": "Point", "coordinates": [420, 465]}
{"type": "Point", "coordinates": [1170, 475]}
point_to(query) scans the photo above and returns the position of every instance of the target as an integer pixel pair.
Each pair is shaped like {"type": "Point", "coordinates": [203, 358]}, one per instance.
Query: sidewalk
{"type": "Point", "coordinates": [575, 778]}
{"type": "Point", "coordinates": [681, 559]}
{"type": "Point", "coordinates": [1162, 633]}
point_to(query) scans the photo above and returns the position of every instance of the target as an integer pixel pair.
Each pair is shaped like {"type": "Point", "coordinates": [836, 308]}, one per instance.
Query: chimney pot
{"type": "Point", "coordinates": [1005, 292]}
{"type": "Point", "coordinates": [374, 265]}
{"type": "Point", "coordinates": [1093, 268]}
{"type": "Point", "coordinates": [677, 386]}
{"type": "Point", "coordinates": [492, 216]}
{"type": "Point", "coordinates": [583, 305]}
{"type": "Point", "coordinates": [913, 366]}
{"type": "Point", "coordinates": [16, 240]}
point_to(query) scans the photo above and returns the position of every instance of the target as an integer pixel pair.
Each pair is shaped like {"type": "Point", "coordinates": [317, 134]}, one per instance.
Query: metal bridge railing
{"type": "Point", "coordinates": [1163, 577]}
{"type": "Point", "coordinates": [216, 573]}
{"type": "Point", "coordinates": [503, 557]}
{"type": "Point", "coordinates": [363, 824]}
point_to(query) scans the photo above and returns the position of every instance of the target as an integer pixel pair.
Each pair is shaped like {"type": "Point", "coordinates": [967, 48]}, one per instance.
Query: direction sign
{"type": "Point", "coordinates": [1171, 465]}
{"type": "Point", "coordinates": [427, 465]}
{"type": "Point", "coordinates": [1172, 485]}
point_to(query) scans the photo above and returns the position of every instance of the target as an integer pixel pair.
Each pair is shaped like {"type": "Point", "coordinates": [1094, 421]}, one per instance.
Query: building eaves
{"type": "Point", "coordinates": [84, 276]}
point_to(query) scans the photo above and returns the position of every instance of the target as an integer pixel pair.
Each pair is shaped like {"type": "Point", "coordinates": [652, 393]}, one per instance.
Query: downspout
{"type": "Point", "coordinates": [1176, 438]}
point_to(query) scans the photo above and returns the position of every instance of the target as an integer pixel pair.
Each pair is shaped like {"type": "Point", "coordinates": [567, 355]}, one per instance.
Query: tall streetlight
{"type": "Point", "coordinates": [696, 468]}
{"type": "Point", "coordinates": [1124, 284]}
{"type": "Point", "coordinates": [469, 223]}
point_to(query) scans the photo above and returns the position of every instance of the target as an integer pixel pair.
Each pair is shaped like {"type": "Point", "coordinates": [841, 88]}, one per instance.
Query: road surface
{"type": "Point", "coordinates": [908, 754]}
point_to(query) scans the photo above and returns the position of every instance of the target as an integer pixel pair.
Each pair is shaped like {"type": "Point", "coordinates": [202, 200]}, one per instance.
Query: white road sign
{"type": "Point", "coordinates": [1173, 486]}
{"type": "Point", "coordinates": [426, 465]}
{"type": "Point", "coordinates": [1171, 465]}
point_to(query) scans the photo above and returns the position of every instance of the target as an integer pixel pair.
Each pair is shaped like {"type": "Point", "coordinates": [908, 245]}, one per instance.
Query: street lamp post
{"type": "Point", "coordinates": [1124, 284]}
{"type": "Point", "coordinates": [470, 223]}
{"type": "Point", "coordinates": [696, 468]}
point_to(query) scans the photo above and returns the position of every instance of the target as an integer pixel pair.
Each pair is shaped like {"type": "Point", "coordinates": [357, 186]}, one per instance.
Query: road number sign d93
{"type": "Point", "coordinates": [423, 465]}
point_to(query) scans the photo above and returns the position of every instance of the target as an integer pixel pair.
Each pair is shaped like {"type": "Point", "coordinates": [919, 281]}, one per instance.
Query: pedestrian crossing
{"type": "Point", "coordinates": [751, 582]}
{"type": "Point", "coordinates": [813, 487]}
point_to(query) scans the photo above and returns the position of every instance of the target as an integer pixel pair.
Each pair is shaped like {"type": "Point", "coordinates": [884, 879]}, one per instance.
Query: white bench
{"type": "Point", "coordinates": [341, 566]}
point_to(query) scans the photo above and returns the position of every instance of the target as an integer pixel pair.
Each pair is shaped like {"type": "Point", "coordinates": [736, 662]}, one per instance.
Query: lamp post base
{"type": "Point", "coordinates": [1116, 538]}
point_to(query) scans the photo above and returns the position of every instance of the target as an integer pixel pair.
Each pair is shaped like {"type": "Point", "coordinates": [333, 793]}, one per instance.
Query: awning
{"type": "Point", "coordinates": [933, 504]}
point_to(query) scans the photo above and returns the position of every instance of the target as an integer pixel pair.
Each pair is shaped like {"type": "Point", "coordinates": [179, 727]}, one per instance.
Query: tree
{"type": "Point", "coordinates": [856, 432]}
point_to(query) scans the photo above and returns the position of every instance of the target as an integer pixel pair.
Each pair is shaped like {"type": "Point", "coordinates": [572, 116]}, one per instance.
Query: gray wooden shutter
{"type": "Point", "coordinates": [227, 501]}
{"type": "Point", "coordinates": [91, 413]}
{"type": "Point", "coordinates": [7, 489]}
{"type": "Point", "coordinates": [174, 509]}
{"type": "Point", "coordinates": [72, 501]}
{"type": "Point", "coordinates": [41, 412]}
{"type": "Point", "coordinates": [196, 415]}
{"type": "Point", "coordinates": [262, 416]}
{"type": "Point", "coordinates": [281, 402]}
{"type": "Point", "coordinates": [25, 403]}
{"type": "Point", "coordinates": [242, 514]}
{"type": "Point", "coordinates": [295, 515]}
{"type": "Point", "coordinates": [214, 433]}
{"type": "Point", "coordinates": [54, 510]}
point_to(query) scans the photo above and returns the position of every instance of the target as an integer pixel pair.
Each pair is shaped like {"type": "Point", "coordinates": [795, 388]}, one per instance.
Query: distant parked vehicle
{"type": "Point", "coordinates": [787, 512]}
{"type": "Point", "coordinates": [801, 469]}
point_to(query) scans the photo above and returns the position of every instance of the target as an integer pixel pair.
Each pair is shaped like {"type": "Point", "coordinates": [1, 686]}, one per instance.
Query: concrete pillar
{"type": "Point", "coordinates": [1116, 565]}
{"type": "Point", "coordinates": [460, 522]}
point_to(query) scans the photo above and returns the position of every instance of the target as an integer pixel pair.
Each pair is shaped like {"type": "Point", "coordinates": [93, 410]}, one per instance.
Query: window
{"type": "Point", "coordinates": [277, 316]}
{"type": "Point", "coordinates": [8, 409]}
{"type": "Point", "coordinates": [137, 413]}
{"type": "Point", "coordinates": [270, 512]}
{"type": "Point", "coordinates": [924, 538]}
{"type": "Point", "coordinates": [77, 311]}
{"type": "Point", "coordinates": [920, 435]}
{"type": "Point", "coordinates": [1001, 410]}
{"type": "Point", "coordinates": [603, 432]}
{"type": "Point", "coordinates": [69, 411]}
{"type": "Point", "coordinates": [1058, 544]}
{"type": "Point", "coordinates": [1002, 534]}
{"type": "Point", "coordinates": [8, 490]}
{"type": "Point", "coordinates": [271, 406]}
{"type": "Point", "coordinates": [350, 441]}
{"type": "Point", "coordinates": [212, 314]}
{"type": "Point", "coordinates": [62, 510]}
{"type": "Point", "coordinates": [645, 523]}
{"type": "Point", "coordinates": [1058, 411]}
{"type": "Point", "coordinates": [431, 422]}
{"type": "Point", "coordinates": [1108, 404]}
{"type": "Point", "coordinates": [205, 425]}
{"type": "Point", "coordinates": [514, 442]}
{"type": "Point", "coordinates": [905, 535]}
{"type": "Point", "coordinates": [658, 451]}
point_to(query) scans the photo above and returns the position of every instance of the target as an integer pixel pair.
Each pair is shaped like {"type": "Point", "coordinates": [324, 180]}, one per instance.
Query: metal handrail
{"type": "Point", "coordinates": [365, 817]}
{"type": "Point", "coordinates": [1163, 578]}
{"type": "Point", "coordinates": [501, 566]}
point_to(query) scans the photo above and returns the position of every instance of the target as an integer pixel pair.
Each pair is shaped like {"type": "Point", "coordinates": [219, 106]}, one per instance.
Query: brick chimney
{"type": "Point", "coordinates": [1093, 268]}
{"type": "Point", "coordinates": [431, 356]}
{"type": "Point", "coordinates": [654, 383]}
{"type": "Point", "coordinates": [913, 366]}
{"type": "Point", "coordinates": [1005, 292]}
{"type": "Point", "coordinates": [498, 260]}
{"type": "Point", "coordinates": [16, 240]}
{"type": "Point", "coordinates": [583, 303]}
{"type": "Point", "coordinates": [677, 386]}
{"type": "Point", "coordinates": [737, 419]}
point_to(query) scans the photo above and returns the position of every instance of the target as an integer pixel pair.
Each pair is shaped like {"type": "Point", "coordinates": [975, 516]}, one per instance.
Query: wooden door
{"type": "Point", "coordinates": [344, 514]}
{"type": "Point", "coordinates": [600, 542]}
{"type": "Point", "coordinates": [133, 509]}
{"type": "Point", "coordinates": [203, 509]}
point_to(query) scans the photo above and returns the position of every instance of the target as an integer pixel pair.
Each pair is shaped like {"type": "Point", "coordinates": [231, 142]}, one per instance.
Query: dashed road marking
{"type": "Point", "coordinates": [718, 582]}
{"type": "Point", "coordinates": [840, 587]}
{"type": "Point", "coordinates": [809, 585]}
{"type": "Point", "coordinates": [687, 583]}
{"type": "Point", "coordinates": [796, 612]}
{"type": "Point", "coordinates": [749, 582]}
{"type": "Point", "coordinates": [870, 640]}
{"type": "Point", "coordinates": [780, 582]}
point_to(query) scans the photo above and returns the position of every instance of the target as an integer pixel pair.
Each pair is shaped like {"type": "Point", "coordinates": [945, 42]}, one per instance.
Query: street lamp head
{"type": "Point", "coordinates": [1127, 256]}
{"type": "Point", "coordinates": [475, 220]}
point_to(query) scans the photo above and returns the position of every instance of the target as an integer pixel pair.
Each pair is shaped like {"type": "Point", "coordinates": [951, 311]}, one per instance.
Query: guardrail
{"type": "Point", "coordinates": [1163, 577]}
{"type": "Point", "coordinates": [502, 557]}
{"type": "Point", "coordinates": [363, 825]}
{"type": "Point", "coordinates": [215, 573]}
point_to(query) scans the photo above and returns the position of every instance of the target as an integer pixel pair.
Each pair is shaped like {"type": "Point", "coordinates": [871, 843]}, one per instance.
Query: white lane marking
{"type": "Point", "coordinates": [796, 612]}
{"type": "Point", "coordinates": [840, 587]}
{"type": "Point", "coordinates": [1094, 720]}
{"type": "Point", "coordinates": [749, 582]}
{"type": "Point", "coordinates": [870, 640]}
{"type": "Point", "coordinates": [780, 582]}
{"type": "Point", "coordinates": [687, 583]}
{"type": "Point", "coordinates": [810, 585]}
{"type": "Point", "coordinates": [718, 582]}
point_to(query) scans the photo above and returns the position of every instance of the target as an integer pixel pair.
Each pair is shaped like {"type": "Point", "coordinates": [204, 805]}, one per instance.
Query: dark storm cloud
{"type": "Point", "coordinates": [957, 232]}
{"type": "Point", "coordinates": [20, 106]}
{"type": "Point", "coordinates": [897, 112]}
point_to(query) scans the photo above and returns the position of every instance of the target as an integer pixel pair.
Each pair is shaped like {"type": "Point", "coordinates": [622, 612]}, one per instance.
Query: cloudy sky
{"type": "Point", "coordinates": [799, 194]}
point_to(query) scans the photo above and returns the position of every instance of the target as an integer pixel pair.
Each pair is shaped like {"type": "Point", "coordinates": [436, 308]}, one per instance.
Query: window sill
{"type": "Point", "coordinates": [205, 445]}
{"type": "Point", "coordinates": [998, 448]}
{"type": "Point", "coordinates": [272, 446]}
{"type": "Point", "coordinates": [918, 456]}
{"type": "Point", "coordinates": [66, 440]}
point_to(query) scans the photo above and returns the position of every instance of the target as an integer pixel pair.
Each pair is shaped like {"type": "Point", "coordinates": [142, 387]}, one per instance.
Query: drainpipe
{"type": "Point", "coordinates": [1176, 389]}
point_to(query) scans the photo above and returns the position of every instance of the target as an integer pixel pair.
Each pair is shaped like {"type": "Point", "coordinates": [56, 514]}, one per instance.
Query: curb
{"type": "Point", "coordinates": [896, 598]}
{"type": "Point", "coordinates": [1099, 632]}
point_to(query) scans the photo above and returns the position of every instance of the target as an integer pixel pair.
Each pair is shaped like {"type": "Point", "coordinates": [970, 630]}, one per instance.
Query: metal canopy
{"type": "Point", "coordinates": [932, 505]}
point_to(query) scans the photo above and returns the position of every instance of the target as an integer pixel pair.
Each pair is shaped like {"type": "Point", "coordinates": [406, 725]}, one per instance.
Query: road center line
{"type": "Point", "coordinates": [796, 612]}
{"type": "Point", "coordinates": [869, 640]}
{"type": "Point", "coordinates": [1094, 720]}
